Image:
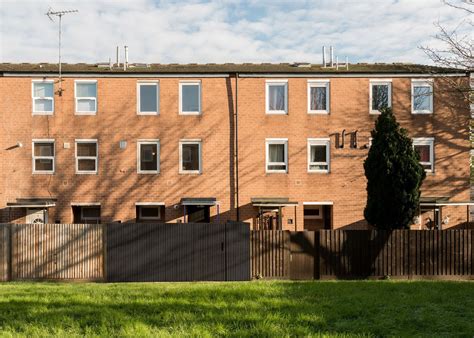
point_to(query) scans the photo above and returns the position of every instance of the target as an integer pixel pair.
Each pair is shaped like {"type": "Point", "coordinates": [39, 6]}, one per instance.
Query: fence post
{"type": "Point", "coordinates": [104, 252]}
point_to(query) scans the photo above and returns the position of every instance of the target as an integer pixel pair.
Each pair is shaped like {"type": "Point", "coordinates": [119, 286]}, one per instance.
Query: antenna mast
{"type": "Point", "coordinates": [59, 14]}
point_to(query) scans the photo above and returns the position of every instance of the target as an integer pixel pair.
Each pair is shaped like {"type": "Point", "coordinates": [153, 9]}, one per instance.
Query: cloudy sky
{"type": "Point", "coordinates": [223, 31]}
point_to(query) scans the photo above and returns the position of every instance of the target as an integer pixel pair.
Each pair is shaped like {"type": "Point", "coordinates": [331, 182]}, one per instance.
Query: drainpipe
{"type": "Point", "coordinates": [237, 144]}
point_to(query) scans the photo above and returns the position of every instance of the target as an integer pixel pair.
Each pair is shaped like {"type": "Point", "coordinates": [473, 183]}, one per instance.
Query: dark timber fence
{"type": "Point", "coordinates": [178, 252]}
{"type": "Point", "coordinates": [363, 254]}
{"type": "Point", "coordinates": [227, 252]}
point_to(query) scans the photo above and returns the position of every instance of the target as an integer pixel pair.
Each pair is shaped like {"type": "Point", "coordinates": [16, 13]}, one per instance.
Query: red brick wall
{"type": "Point", "coordinates": [117, 186]}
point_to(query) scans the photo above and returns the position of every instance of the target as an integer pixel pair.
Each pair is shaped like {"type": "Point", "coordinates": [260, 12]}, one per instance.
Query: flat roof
{"type": "Point", "coordinates": [198, 201]}
{"type": "Point", "coordinates": [272, 202]}
{"type": "Point", "coordinates": [226, 68]}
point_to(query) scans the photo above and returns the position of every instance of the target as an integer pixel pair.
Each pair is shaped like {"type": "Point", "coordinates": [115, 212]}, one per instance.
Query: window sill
{"type": "Point", "coordinates": [421, 112]}
{"type": "Point", "coordinates": [276, 112]}
{"type": "Point", "coordinates": [190, 113]}
{"type": "Point", "coordinates": [149, 113]}
{"type": "Point", "coordinates": [43, 172]}
{"type": "Point", "coordinates": [85, 113]}
{"type": "Point", "coordinates": [276, 172]}
{"type": "Point", "coordinates": [42, 113]}
{"type": "Point", "coordinates": [318, 112]}
{"type": "Point", "coordinates": [191, 172]}
{"type": "Point", "coordinates": [318, 171]}
{"type": "Point", "coordinates": [86, 173]}
{"type": "Point", "coordinates": [148, 172]}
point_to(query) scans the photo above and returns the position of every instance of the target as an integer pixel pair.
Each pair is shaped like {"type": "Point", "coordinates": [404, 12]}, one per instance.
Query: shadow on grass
{"type": "Point", "coordinates": [241, 309]}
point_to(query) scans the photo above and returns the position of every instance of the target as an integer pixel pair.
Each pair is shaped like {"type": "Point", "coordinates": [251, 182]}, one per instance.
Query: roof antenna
{"type": "Point", "coordinates": [59, 14]}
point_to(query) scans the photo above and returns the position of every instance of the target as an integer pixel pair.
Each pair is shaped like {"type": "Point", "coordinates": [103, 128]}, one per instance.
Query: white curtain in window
{"type": "Point", "coordinates": [276, 98]}
{"type": "Point", "coordinates": [276, 153]}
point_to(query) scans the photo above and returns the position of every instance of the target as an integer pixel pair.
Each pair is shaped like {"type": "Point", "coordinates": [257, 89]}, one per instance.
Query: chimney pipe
{"type": "Point", "coordinates": [331, 56]}
{"type": "Point", "coordinates": [125, 64]}
{"type": "Point", "coordinates": [324, 56]}
{"type": "Point", "coordinates": [347, 63]}
{"type": "Point", "coordinates": [337, 62]}
{"type": "Point", "coordinates": [118, 62]}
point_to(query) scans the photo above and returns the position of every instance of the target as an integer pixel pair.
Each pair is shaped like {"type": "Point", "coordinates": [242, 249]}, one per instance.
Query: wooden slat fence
{"type": "Point", "coordinates": [57, 251]}
{"type": "Point", "coordinates": [178, 252]}
{"type": "Point", "coordinates": [270, 254]}
{"type": "Point", "coordinates": [4, 252]}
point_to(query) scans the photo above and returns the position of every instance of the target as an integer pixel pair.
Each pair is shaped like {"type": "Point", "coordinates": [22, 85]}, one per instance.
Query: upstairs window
{"type": "Point", "coordinates": [276, 155]}
{"type": "Point", "coordinates": [380, 95]}
{"type": "Point", "coordinates": [190, 157]}
{"type": "Point", "coordinates": [86, 156]}
{"type": "Point", "coordinates": [86, 97]}
{"type": "Point", "coordinates": [43, 97]}
{"type": "Point", "coordinates": [276, 97]}
{"type": "Point", "coordinates": [318, 155]}
{"type": "Point", "coordinates": [190, 97]}
{"type": "Point", "coordinates": [148, 98]}
{"type": "Point", "coordinates": [425, 148]}
{"type": "Point", "coordinates": [318, 97]}
{"type": "Point", "coordinates": [43, 156]}
{"type": "Point", "coordinates": [422, 97]}
{"type": "Point", "coordinates": [148, 156]}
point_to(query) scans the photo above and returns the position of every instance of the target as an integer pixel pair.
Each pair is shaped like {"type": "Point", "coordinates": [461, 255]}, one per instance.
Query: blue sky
{"type": "Point", "coordinates": [223, 31]}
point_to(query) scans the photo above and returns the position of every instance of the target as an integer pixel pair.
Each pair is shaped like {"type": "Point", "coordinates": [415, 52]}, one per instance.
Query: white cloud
{"type": "Point", "coordinates": [232, 31]}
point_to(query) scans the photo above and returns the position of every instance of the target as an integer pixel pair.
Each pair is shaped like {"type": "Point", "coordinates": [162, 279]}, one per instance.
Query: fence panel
{"type": "Point", "coordinates": [4, 252]}
{"type": "Point", "coordinates": [177, 252]}
{"type": "Point", "coordinates": [270, 253]}
{"type": "Point", "coordinates": [56, 251]}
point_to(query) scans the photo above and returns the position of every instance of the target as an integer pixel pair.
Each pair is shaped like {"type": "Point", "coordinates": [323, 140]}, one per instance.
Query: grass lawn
{"type": "Point", "coordinates": [334, 308]}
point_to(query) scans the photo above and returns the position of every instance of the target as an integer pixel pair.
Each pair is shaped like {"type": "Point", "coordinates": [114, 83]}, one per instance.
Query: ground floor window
{"type": "Point", "coordinates": [317, 216]}
{"type": "Point", "coordinates": [149, 213]}
{"type": "Point", "coordinates": [89, 214]}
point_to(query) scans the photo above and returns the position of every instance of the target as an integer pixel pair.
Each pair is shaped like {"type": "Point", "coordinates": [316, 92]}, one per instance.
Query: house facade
{"type": "Point", "coordinates": [280, 146]}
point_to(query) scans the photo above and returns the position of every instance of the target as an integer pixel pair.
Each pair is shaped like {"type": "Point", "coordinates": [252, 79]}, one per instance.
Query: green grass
{"type": "Point", "coordinates": [342, 308]}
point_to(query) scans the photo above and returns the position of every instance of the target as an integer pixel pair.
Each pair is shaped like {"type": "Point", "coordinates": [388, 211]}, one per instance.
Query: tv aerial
{"type": "Point", "coordinates": [51, 14]}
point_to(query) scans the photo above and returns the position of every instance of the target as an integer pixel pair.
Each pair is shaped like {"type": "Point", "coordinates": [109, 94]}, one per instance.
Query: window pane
{"type": "Point", "coordinates": [190, 154]}
{"type": "Point", "coordinates": [276, 153]}
{"type": "Point", "coordinates": [318, 98]}
{"type": "Point", "coordinates": [43, 165]}
{"type": "Point", "coordinates": [43, 90]}
{"type": "Point", "coordinates": [86, 165]}
{"type": "Point", "coordinates": [148, 157]}
{"type": "Point", "coordinates": [190, 98]}
{"type": "Point", "coordinates": [148, 98]}
{"type": "Point", "coordinates": [318, 167]}
{"type": "Point", "coordinates": [86, 89]}
{"type": "Point", "coordinates": [86, 105]}
{"type": "Point", "coordinates": [44, 149]}
{"type": "Point", "coordinates": [421, 97]}
{"type": "Point", "coordinates": [379, 96]}
{"type": "Point", "coordinates": [150, 212]}
{"type": "Point", "coordinates": [318, 153]}
{"type": "Point", "coordinates": [277, 167]}
{"type": "Point", "coordinates": [43, 105]}
{"type": "Point", "coordinates": [91, 212]}
{"type": "Point", "coordinates": [424, 152]}
{"type": "Point", "coordinates": [87, 149]}
{"type": "Point", "coordinates": [276, 97]}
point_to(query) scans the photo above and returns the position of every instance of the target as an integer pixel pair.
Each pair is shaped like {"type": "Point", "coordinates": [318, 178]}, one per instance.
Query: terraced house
{"type": "Point", "coordinates": [278, 145]}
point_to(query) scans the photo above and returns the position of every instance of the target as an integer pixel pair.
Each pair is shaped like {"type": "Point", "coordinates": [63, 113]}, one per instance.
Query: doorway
{"type": "Point", "coordinates": [198, 213]}
{"type": "Point", "coordinates": [36, 216]}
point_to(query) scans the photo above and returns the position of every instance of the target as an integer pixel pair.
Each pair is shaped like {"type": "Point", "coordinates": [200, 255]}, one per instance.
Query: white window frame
{"type": "Point", "coordinates": [315, 207]}
{"type": "Point", "coordinates": [319, 142]}
{"type": "Point", "coordinates": [188, 83]}
{"type": "Point", "coordinates": [426, 141]}
{"type": "Point", "coordinates": [270, 141]}
{"type": "Point", "coordinates": [96, 158]}
{"type": "Point", "coordinates": [190, 141]}
{"type": "Point", "coordinates": [269, 83]}
{"type": "Point", "coordinates": [152, 141]}
{"type": "Point", "coordinates": [321, 84]}
{"type": "Point", "coordinates": [78, 112]}
{"type": "Point", "coordinates": [146, 218]}
{"type": "Point", "coordinates": [148, 83]}
{"type": "Point", "coordinates": [421, 83]}
{"type": "Point", "coordinates": [379, 82]}
{"type": "Point", "coordinates": [35, 112]}
{"type": "Point", "coordinates": [34, 157]}
{"type": "Point", "coordinates": [95, 219]}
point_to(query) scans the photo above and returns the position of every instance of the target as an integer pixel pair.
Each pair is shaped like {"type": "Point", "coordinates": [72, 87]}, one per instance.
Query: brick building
{"type": "Point", "coordinates": [277, 145]}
